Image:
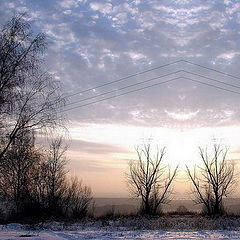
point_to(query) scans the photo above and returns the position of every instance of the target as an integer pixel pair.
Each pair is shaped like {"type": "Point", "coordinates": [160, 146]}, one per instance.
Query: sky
{"type": "Point", "coordinates": [95, 42]}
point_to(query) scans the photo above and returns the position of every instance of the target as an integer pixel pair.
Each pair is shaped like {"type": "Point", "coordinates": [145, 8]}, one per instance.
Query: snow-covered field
{"type": "Point", "coordinates": [140, 235]}
{"type": "Point", "coordinates": [16, 231]}
{"type": "Point", "coordinates": [182, 227]}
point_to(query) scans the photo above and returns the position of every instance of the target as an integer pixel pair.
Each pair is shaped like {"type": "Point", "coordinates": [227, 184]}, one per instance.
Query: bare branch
{"type": "Point", "coordinates": [149, 179]}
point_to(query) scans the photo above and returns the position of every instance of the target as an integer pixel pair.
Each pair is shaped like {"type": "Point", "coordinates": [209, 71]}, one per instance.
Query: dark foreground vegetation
{"type": "Point", "coordinates": [33, 178]}
{"type": "Point", "coordinates": [129, 223]}
{"type": "Point", "coordinates": [35, 185]}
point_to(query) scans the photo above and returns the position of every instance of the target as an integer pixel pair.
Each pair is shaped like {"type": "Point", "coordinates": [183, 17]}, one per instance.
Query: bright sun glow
{"type": "Point", "coordinates": [97, 168]}
{"type": "Point", "coordinates": [182, 145]}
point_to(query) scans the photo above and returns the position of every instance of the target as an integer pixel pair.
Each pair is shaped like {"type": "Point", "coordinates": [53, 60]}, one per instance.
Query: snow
{"type": "Point", "coordinates": [111, 230]}
{"type": "Point", "coordinates": [11, 234]}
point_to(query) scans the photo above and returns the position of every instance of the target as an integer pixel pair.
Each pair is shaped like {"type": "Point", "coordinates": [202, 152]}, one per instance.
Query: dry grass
{"type": "Point", "coordinates": [166, 222]}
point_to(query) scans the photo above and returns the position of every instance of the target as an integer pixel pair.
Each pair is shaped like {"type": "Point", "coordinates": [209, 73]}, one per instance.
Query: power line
{"type": "Point", "coordinates": [122, 79]}
{"type": "Point", "coordinates": [122, 88]}
{"type": "Point", "coordinates": [148, 80]}
{"type": "Point", "coordinates": [211, 69]}
{"type": "Point", "coordinates": [149, 70]}
{"type": "Point", "coordinates": [212, 79]}
{"type": "Point", "coordinates": [139, 89]}
{"type": "Point", "coordinates": [211, 85]}
{"type": "Point", "coordinates": [121, 94]}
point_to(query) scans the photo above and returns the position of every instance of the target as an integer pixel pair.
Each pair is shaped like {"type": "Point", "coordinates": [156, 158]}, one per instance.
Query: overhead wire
{"type": "Point", "coordinates": [121, 79]}
{"type": "Point", "coordinates": [212, 79]}
{"type": "Point", "coordinates": [139, 89]}
{"type": "Point", "coordinates": [211, 69]}
{"type": "Point", "coordinates": [121, 94]}
{"type": "Point", "coordinates": [122, 88]}
{"type": "Point", "coordinates": [148, 80]}
{"type": "Point", "coordinates": [211, 85]}
{"type": "Point", "coordinates": [149, 70]}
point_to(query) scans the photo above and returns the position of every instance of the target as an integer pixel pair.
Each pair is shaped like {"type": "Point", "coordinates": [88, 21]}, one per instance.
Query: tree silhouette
{"type": "Point", "coordinates": [213, 180]}
{"type": "Point", "coordinates": [16, 172]}
{"type": "Point", "coordinates": [29, 98]}
{"type": "Point", "coordinates": [55, 166]}
{"type": "Point", "coordinates": [149, 179]}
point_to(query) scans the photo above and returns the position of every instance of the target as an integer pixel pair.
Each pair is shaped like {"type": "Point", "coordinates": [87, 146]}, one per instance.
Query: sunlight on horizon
{"type": "Point", "coordinates": [121, 140]}
{"type": "Point", "coordinates": [181, 144]}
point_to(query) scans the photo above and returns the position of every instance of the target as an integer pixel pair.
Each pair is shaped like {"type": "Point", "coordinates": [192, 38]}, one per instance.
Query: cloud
{"type": "Point", "coordinates": [232, 7]}
{"type": "Point", "coordinates": [104, 8]}
{"type": "Point", "coordinates": [69, 3]}
{"type": "Point", "coordinates": [135, 55]}
{"type": "Point", "coordinates": [95, 147]}
{"type": "Point", "coordinates": [182, 116]}
{"type": "Point", "coordinates": [228, 56]}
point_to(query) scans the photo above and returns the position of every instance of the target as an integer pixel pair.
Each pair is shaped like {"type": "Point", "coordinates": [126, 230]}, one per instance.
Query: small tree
{"type": "Point", "coordinates": [55, 167]}
{"type": "Point", "coordinates": [39, 188]}
{"type": "Point", "coordinates": [77, 198]}
{"type": "Point", "coordinates": [16, 172]}
{"type": "Point", "coordinates": [213, 180]}
{"type": "Point", "coordinates": [149, 179]}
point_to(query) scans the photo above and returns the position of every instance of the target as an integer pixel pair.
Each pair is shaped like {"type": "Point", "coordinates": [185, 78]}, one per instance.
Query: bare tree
{"type": "Point", "coordinates": [29, 98]}
{"type": "Point", "coordinates": [149, 179]}
{"type": "Point", "coordinates": [34, 181]}
{"type": "Point", "coordinates": [55, 166]}
{"type": "Point", "coordinates": [15, 174]}
{"type": "Point", "coordinates": [19, 58]}
{"type": "Point", "coordinates": [213, 180]}
{"type": "Point", "coordinates": [77, 198]}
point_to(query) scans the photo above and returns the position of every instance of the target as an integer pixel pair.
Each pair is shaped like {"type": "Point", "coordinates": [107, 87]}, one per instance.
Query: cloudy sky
{"type": "Point", "coordinates": [96, 42]}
